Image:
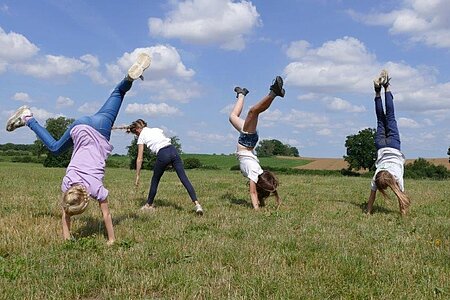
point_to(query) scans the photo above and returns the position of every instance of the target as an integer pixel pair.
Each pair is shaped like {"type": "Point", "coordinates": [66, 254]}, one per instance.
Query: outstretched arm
{"type": "Point", "coordinates": [65, 225]}
{"type": "Point", "coordinates": [108, 221]}
{"type": "Point", "coordinates": [371, 201]}
{"type": "Point", "coordinates": [254, 195]}
{"type": "Point", "coordinates": [139, 160]}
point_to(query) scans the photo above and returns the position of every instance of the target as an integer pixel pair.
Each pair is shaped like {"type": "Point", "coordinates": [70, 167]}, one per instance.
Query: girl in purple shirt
{"type": "Point", "coordinates": [89, 137]}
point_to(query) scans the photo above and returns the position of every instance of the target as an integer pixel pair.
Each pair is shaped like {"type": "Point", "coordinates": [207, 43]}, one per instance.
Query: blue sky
{"type": "Point", "coordinates": [62, 58]}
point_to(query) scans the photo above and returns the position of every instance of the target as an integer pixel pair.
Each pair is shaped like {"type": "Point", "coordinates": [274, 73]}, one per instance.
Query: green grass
{"type": "Point", "coordinates": [318, 245]}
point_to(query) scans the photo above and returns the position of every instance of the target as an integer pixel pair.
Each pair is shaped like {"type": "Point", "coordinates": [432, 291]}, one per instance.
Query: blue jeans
{"type": "Point", "coordinates": [102, 121]}
{"type": "Point", "coordinates": [166, 156]}
{"type": "Point", "coordinates": [387, 134]}
{"type": "Point", "coordinates": [248, 140]}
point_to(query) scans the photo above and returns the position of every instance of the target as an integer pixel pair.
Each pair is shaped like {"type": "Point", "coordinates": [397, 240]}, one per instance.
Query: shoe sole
{"type": "Point", "coordinates": [141, 64]}
{"type": "Point", "coordinates": [15, 121]}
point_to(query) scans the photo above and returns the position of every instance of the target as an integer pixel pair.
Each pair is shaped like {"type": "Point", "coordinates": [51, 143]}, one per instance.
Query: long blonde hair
{"type": "Point", "coordinates": [75, 200]}
{"type": "Point", "coordinates": [383, 180]}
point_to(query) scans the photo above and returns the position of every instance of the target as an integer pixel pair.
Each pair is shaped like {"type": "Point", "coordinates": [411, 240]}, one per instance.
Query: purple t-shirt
{"type": "Point", "coordinates": [87, 165]}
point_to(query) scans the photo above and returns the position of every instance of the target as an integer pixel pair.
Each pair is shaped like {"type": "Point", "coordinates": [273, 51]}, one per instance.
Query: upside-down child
{"type": "Point", "coordinates": [390, 160]}
{"type": "Point", "coordinates": [90, 137]}
{"type": "Point", "coordinates": [262, 183]}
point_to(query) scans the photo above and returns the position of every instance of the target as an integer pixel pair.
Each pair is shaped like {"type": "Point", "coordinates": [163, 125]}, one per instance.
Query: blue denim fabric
{"type": "Point", "coordinates": [102, 121]}
{"type": "Point", "coordinates": [248, 140]}
{"type": "Point", "coordinates": [166, 156]}
{"type": "Point", "coordinates": [387, 134]}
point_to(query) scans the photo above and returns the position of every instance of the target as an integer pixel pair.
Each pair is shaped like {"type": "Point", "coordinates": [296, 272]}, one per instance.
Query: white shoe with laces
{"type": "Point", "coordinates": [198, 209]}
{"type": "Point", "coordinates": [140, 65]}
{"type": "Point", "coordinates": [148, 208]}
{"type": "Point", "coordinates": [17, 119]}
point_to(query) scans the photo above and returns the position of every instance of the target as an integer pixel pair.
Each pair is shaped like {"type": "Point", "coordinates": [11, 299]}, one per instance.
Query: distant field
{"type": "Point", "coordinates": [228, 161]}
{"type": "Point", "coordinates": [318, 245]}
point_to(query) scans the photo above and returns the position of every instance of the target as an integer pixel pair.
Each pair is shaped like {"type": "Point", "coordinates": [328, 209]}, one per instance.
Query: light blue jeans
{"type": "Point", "coordinates": [387, 134]}
{"type": "Point", "coordinates": [102, 121]}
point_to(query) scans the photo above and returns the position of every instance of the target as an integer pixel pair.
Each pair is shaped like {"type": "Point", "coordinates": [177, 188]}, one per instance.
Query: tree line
{"type": "Point", "coordinates": [57, 126]}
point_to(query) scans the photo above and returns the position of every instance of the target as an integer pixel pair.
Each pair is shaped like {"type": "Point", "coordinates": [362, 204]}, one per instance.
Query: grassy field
{"type": "Point", "coordinates": [318, 245]}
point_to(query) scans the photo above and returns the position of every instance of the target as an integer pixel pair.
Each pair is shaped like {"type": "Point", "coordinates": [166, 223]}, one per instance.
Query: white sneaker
{"type": "Point", "coordinates": [148, 208]}
{"type": "Point", "coordinates": [198, 209]}
{"type": "Point", "coordinates": [140, 65]}
{"type": "Point", "coordinates": [384, 78]}
{"type": "Point", "coordinates": [17, 119]}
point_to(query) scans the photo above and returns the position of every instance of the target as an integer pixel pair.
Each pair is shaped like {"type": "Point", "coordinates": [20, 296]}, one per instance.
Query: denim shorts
{"type": "Point", "coordinates": [248, 140]}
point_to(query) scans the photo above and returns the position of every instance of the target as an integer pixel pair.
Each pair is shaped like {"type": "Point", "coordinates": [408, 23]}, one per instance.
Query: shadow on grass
{"type": "Point", "coordinates": [96, 225]}
{"type": "Point", "coordinates": [375, 208]}
{"type": "Point", "coordinates": [363, 207]}
{"type": "Point", "coordinates": [166, 203]}
{"type": "Point", "coordinates": [234, 200]}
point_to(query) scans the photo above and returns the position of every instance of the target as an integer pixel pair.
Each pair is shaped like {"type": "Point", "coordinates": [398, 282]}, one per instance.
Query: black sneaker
{"type": "Point", "coordinates": [240, 90]}
{"type": "Point", "coordinates": [277, 86]}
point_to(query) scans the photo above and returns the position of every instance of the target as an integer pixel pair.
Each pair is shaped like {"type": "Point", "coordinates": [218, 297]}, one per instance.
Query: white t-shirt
{"type": "Point", "coordinates": [391, 160]}
{"type": "Point", "coordinates": [249, 164]}
{"type": "Point", "coordinates": [153, 138]}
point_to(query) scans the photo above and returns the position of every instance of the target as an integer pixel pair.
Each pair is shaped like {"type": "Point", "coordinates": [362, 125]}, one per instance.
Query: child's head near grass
{"type": "Point", "coordinates": [75, 200]}
{"type": "Point", "coordinates": [266, 185]}
{"type": "Point", "coordinates": [383, 180]}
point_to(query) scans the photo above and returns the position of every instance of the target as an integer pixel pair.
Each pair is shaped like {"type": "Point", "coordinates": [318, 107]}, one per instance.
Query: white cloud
{"type": "Point", "coordinates": [15, 47]}
{"type": "Point", "coordinates": [303, 119]}
{"type": "Point", "coordinates": [210, 137]}
{"type": "Point", "coordinates": [151, 109]}
{"type": "Point", "coordinates": [22, 97]}
{"type": "Point", "coordinates": [424, 21]}
{"type": "Point", "coordinates": [167, 77]}
{"type": "Point", "coordinates": [331, 67]}
{"type": "Point", "coordinates": [407, 123]}
{"type": "Point", "coordinates": [89, 108]}
{"type": "Point", "coordinates": [4, 8]}
{"type": "Point", "coordinates": [338, 104]}
{"type": "Point", "coordinates": [92, 65]}
{"type": "Point", "coordinates": [42, 114]}
{"type": "Point", "coordinates": [64, 102]}
{"type": "Point", "coordinates": [166, 62]}
{"type": "Point", "coordinates": [324, 132]}
{"type": "Point", "coordinates": [222, 22]}
{"type": "Point", "coordinates": [52, 66]}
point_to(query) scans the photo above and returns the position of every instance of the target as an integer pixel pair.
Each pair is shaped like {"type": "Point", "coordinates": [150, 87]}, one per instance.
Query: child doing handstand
{"type": "Point", "coordinates": [262, 182]}
{"type": "Point", "coordinates": [89, 136]}
{"type": "Point", "coordinates": [390, 161]}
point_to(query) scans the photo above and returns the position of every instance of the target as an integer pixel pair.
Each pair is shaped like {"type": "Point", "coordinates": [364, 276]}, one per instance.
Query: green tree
{"type": "Point", "coordinates": [275, 147]}
{"type": "Point", "coordinates": [175, 141]}
{"type": "Point", "coordinates": [361, 151]}
{"type": "Point", "coordinates": [39, 148]}
{"type": "Point", "coordinates": [56, 127]}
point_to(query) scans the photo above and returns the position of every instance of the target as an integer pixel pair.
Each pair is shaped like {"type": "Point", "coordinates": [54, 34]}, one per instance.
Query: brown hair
{"type": "Point", "coordinates": [383, 180]}
{"type": "Point", "coordinates": [75, 200]}
{"type": "Point", "coordinates": [139, 123]}
{"type": "Point", "coordinates": [266, 185]}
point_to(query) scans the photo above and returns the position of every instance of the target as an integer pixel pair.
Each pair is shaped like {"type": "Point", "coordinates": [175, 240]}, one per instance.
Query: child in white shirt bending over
{"type": "Point", "coordinates": [166, 154]}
